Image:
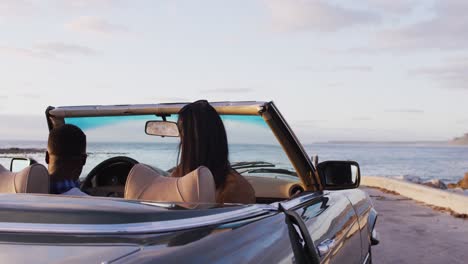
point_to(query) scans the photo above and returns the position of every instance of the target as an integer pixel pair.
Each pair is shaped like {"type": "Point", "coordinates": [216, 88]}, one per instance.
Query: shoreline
{"type": "Point", "coordinates": [433, 207]}
{"type": "Point", "coordinates": [438, 199]}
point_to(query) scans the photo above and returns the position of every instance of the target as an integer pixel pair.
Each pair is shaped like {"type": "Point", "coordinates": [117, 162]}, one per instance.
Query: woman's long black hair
{"type": "Point", "coordinates": [203, 141]}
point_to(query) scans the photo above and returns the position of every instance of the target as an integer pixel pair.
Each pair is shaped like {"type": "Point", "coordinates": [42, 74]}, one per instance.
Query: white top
{"type": "Point", "coordinates": [75, 192]}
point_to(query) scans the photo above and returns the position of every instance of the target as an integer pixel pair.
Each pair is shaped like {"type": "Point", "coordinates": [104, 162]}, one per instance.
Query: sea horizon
{"type": "Point", "coordinates": [426, 161]}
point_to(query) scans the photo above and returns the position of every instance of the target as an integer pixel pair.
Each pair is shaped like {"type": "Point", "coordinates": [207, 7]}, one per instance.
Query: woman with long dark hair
{"type": "Point", "coordinates": [203, 142]}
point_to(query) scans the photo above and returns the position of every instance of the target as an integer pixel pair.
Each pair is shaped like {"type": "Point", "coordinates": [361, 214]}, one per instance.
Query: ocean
{"type": "Point", "coordinates": [427, 161]}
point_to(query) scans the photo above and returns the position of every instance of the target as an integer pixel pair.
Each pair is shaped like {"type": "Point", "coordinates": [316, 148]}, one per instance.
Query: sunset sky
{"type": "Point", "coordinates": [338, 70]}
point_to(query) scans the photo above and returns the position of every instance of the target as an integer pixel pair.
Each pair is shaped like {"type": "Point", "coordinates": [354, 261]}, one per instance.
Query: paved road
{"type": "Point", "coordinates": [414, 233]}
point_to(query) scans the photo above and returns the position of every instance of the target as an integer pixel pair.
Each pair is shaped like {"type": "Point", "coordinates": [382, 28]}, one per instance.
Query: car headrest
{"type": "Point", "coordinates": [144, 183]}
{"type": "Point", "coordinates": [32, 179]}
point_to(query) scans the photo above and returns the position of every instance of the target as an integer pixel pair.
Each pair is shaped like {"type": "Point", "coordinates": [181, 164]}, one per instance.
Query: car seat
{"type": "Point", "coordinates": [32, 179]}
{"type": "Point", "coordinates": [144, 183]}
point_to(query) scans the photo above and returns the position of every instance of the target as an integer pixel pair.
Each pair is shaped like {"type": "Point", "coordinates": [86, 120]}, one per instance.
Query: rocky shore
{"type": "Point", "coordinates": [463, 140]}
{"type": "Point", "coordinates": [460, 187]}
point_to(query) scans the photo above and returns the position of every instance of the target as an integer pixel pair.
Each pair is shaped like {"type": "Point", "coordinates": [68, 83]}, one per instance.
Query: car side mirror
{"type": "Point", "coordinates": [18, 164]}
{"type": "Point", "coordinates": [339, 175]}
{"type": "Point", "coordinates": [162, 128]}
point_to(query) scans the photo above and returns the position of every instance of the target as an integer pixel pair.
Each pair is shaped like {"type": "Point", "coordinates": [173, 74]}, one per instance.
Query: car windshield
{"type": "Point", "coordinates": [253, 148]}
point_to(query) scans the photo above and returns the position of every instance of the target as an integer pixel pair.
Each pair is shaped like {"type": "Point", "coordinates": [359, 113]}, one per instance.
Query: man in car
{"type": "Point", "coordinates": [66, 156]}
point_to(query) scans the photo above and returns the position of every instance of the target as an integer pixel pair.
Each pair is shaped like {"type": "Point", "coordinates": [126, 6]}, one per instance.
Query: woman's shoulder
{"type": "Point", "coordinates": [237, 189]}
{"type": "Point", "coordinates": [236, 179]}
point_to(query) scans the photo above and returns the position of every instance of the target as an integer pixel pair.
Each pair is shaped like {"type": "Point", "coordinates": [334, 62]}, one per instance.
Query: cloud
{"type": "Point", "coordinates": [316, 15]}
{"type": "Point", "coordinates": [362, 118]}
{"type": "Point", "coordinates": [355, 68]}
{"type": "Point", "coordinates": [447, 29]}
{"type": "Point", "coordinates": [30, 96]}
{"type": "Point", "coordinates": [169, 99]}
{"type": "Point", "coordinates": [452, 75]}
{"type": "Point", "coordinates": [27, 8]}
{"type": "Point", "coordinates": [49, 50]}
{"type": "Point", "coordinates": [227, 90]}
{"type": "Point", "coordinates": [405, 110]}
{"type": "Point", "coordinates": [96, 25]}
{"type": "Point", "coordinates": [462, 121]}
{"type": "Point", "coordinates": [89, 3]}
{"type": "Point", "coordinates": [307, 123]}
{"type": "Point", "coordinates": [15, 7]}
{"type": "Point", "coordinates": [59, 48]}
{"type": "Point", "coordinates": [335, 84]}
{"type": "Point", "coordinates": [394, 6]}
{"type": "Point", "coordinates": [23, 127]}
{"type": "Point", "coordinates": [33, 53]}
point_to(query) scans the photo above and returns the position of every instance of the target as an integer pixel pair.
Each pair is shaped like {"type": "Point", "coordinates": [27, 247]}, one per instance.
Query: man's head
{"type": "Point", "coordinates": [66, 152]}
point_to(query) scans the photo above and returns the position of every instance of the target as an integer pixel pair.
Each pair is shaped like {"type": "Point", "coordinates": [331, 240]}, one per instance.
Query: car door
{"type": "Point", "coordinates": [332, 225]}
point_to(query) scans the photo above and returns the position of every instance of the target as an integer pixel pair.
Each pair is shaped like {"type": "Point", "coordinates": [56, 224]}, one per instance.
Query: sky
{"type": "Point", "coordinates": [338, 70]}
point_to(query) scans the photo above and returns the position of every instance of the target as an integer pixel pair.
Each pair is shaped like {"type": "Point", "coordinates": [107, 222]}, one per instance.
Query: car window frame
{"type": "Point", "coordinates": [267, 110]}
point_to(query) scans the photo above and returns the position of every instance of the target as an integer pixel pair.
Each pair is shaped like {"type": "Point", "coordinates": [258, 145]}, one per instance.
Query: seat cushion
{"type": "Point", "coordinates": [32, 179]}
{"type": "Point", "coordinates": [144, 183]}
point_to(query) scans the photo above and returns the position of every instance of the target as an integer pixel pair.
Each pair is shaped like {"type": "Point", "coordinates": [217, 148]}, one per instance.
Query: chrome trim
{"type": "Point", "coordinates": [366, 259]}
{"type": "Point", "coordinates": [297, 201]}
{"type": "Point", "coordinates": [145, 227]}
{"type": "Point", "coordinates": [163, 205]}
{"type": "Point", "coordinates": [224, 108]}
{"type": "Point", "coordinates": [325, 246]}
{"type": "Point", "coordinates": [375, 237]}
{"type": "Point", "coordinates": [121, 257]}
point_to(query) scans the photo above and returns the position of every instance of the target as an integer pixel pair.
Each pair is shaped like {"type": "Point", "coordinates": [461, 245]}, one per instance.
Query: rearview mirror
{"type": "Point", "coordinates": [339, 175]}
{"type": "Point", "coordinates": [162, 128]}
{"type": "Point", "coordinates": [18, 164]}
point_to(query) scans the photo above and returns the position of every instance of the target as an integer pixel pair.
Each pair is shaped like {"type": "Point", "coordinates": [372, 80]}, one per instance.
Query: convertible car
{"type": "Point", "coordinates": [305, 212]}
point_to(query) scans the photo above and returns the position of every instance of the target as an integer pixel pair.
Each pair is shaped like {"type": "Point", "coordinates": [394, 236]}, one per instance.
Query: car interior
{"type": "Point", "coordinates": [114, 179]}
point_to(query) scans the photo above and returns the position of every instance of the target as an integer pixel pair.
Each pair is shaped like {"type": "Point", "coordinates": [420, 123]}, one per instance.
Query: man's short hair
{"type": "Point", "coordinates": [66, 140]}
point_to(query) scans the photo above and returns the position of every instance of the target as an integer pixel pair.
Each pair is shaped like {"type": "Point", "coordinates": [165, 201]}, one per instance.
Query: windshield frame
{"type": "Point", "coordinates": [267, 110]}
